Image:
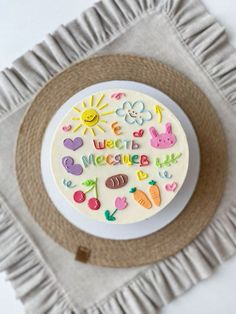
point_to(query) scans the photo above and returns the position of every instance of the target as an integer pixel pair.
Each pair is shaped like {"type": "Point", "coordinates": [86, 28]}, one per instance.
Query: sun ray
{"type": "Point", "coordinates": [107, 113]}
{"type": "Point", "coordinates": [76, 109]}
{"type": "Point", "coordinates": [103, 121]}
{"type": "Point", "coordinates": [100, 128]}
{"type": "Point", "coordinates": [100, 99]}
{"type": "Point", "coordinates": [77, 128]}
{"type": "Point", "coordinates": [91, 101]}
{"type": "Point", "coordinates": [84, 104]}
{"type": "Point", "coordinates": [74, 118]}
{"type": "Point", "coordinates": [92, 131]}
{"type": "Point", "coordinates": [85, 131]}
{"type": "Point", "coordinates": [103, 106]}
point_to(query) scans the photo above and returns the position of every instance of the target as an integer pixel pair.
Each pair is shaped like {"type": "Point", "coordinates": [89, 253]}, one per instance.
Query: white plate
{"type": "Point", "coordinates": [138, 229]}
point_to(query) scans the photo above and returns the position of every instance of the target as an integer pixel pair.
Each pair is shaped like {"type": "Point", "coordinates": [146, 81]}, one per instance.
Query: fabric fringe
{"type": "Point", "coordinates": [166, 280]}
{"type": "Point", "coordinates": [104, 22]}
{"type": "Point", "coordinates": [97, 26]}
{"type": "Point", "coordinates": [151, 289]}
{"type": "Point", "coordinates": [34, 284]}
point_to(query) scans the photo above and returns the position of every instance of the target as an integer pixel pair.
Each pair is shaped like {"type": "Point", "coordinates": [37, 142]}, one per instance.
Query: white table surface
{"type": "Point", "coordinates": [25, 23]}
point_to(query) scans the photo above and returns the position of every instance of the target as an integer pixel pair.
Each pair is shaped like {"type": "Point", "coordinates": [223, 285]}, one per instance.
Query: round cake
{"type": "Point", "coordinates": [119, 156]}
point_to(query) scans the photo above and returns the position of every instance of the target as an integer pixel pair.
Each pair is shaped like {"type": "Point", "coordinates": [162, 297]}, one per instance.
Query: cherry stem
{"type": "Point", "coordinates": [96, 189]}
{"type": "Point", "coordinates": [112, 214]}
{"type": "Point", "coordinates": [89, 190]}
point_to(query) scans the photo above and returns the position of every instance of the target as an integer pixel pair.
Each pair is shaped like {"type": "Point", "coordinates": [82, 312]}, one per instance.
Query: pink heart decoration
{"type": "Point", "coordinates": [138, 133]}
{"type": "Point", "coordinates": [67, 128]}
{"type": "Point", "coordinates": [73, 144]}
{"type": "Point", "coordinates": [171, 187]}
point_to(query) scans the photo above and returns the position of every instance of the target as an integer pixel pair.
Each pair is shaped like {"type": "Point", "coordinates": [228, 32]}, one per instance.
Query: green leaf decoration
{"type": "Point", "coordinates": [152, 182]}
{"type": "Point", "coordinates": [89, 182]}
{"type": "Point", "coordinates": [132, 190]}
{"type": "Point", "coordinates": [108, 216]}
{"type": "Point", "coordinates": [158, 163]}
{"type": "Point", "coordinates": [168, 160]}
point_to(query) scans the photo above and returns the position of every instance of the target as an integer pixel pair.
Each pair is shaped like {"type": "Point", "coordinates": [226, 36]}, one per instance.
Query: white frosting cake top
{"type": "Point", "coordinates": [119, 156]}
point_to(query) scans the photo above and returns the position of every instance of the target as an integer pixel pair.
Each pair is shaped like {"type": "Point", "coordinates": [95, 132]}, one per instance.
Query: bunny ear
{"type": "Point", "coordinates": [168, 128]}
{"type": "Point", "coordinates": [153, 132]}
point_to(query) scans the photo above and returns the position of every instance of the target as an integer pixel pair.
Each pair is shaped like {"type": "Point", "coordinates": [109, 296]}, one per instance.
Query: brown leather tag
{"type": "Point", "coordinates": [82, 254]}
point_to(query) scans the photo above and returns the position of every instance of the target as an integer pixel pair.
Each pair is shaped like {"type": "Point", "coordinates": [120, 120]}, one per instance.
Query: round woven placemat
{"type": "Point", "coordinates": [200, 208]}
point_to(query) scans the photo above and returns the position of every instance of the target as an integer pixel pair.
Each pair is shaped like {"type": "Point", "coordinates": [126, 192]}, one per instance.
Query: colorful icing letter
{"type": "Point", "coordinates": [69, 184]}
{"type": "Point", "coordinates": [171, 187]}
{"type": "Point", "coordinates": [116, 129]}
{"type": "Point", "coordinates": [162, 140]}
{"type": "Point", "coordinates": [155, 193]}
{"type": "Point", "coordinates": [117, 181]}
{"type": "Point", "coordinates": [138, 133]}
{"type": "Point", "coordinates": [141, 175]}
{"type": "Point", "coordinates": [71, 167]}
{"type": "Point", "coordinates": [141, 198]}
{"type": "Point", "coordinates": [165, 175]}
{"type": "Point", "coordinates": [134, 113]}
{"type": "Point", "coordinates": [73, 144]}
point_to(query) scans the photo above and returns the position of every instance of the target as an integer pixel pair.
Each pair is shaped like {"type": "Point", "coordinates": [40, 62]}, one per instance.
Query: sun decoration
{"type": "Point", "coordinates": [90, 117]}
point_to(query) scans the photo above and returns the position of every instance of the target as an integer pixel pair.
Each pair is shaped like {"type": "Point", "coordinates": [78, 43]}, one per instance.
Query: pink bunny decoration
{"type": "Point", "coordinates": [162, 140]}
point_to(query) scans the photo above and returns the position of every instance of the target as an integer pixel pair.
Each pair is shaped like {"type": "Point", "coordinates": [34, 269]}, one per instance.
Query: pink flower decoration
{"type": "Point", "coordinates": [120, 203]}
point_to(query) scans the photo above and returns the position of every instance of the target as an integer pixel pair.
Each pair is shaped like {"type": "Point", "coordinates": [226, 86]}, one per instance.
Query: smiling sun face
{"type": "Point", "coordinates": [91, 118]}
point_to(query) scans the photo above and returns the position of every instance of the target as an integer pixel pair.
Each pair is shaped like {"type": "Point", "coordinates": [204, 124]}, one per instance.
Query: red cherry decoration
{"type": "Point", "coordinates": [94, 203]}
{"type": "Point", "coordinates": [79, 197]}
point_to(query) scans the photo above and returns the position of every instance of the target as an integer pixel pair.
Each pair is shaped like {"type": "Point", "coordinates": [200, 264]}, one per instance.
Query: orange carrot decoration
{"type": "Point", "coordinates": [141, 198]}
{"type": "Point", "coordinates": [155, 192]}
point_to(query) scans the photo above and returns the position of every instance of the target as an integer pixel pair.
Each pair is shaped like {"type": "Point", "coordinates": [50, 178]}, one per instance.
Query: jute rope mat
{"type": "Point", "coordinates": [200, 208]}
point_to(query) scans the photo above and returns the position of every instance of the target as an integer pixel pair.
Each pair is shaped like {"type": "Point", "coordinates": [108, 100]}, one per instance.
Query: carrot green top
{"type": "Point", "coordinates": [132, 190]}
{"type": "Point", "coordinates": [152, 182]}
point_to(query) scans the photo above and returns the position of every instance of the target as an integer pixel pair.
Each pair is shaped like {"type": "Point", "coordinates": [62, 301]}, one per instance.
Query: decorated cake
{"type": "Point", "coordinates": [119, 156]}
